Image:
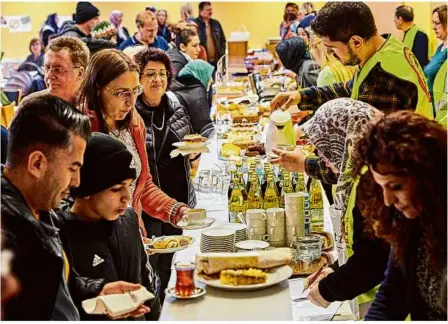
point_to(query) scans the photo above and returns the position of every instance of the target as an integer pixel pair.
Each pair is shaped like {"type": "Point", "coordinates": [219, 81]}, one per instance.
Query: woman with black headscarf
{"type": "Point", "coordinates": [50, 27]}
{"type": "Point", "coordinates": [293, 55]}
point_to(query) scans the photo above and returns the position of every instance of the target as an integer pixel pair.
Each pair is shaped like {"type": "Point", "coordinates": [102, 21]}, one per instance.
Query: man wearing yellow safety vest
{"type": "Point", "coordinates": [414, 38]}
{"type": "Point", "coordinates": [389, 76]}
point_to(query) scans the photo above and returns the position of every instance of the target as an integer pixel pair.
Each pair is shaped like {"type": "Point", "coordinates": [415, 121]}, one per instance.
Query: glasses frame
{"type": "Point", "coordinates": [126, 94]}
{"type": "Point", "coordinates": [168, 74]}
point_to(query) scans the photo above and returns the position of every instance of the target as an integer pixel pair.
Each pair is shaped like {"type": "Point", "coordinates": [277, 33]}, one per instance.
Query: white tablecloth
{"type": "Point", "coordinates": [274, 303]}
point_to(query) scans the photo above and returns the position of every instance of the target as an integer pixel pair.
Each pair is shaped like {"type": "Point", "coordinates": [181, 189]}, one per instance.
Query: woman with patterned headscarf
{"type": "Point", "coordinates": [362, 259]}
{"type": "Point", "coordinates": [116, 19]}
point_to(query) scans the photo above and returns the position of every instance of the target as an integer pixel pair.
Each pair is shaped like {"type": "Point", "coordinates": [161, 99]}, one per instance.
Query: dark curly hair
{"type": "Point", "coordinates": [154, 55]}
{"type": "Point", "coordinates": [339, 21]}
{"type": "Point", "coordinates": [406, 144]}
{"type": "Point", "coordinates": [104, 67]}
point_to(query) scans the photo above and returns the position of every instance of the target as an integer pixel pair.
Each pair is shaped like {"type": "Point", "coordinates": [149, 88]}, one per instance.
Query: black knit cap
{"type": "Point", "coordinates": [107, 162]}
{"type": "Point", "coordinates": [85, 11]}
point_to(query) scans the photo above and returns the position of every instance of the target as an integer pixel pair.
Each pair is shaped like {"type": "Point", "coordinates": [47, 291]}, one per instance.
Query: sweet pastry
{"type": "Point", "coordinates": [193, 138]}
{"type": "Point", "coordinates": [243, 277]}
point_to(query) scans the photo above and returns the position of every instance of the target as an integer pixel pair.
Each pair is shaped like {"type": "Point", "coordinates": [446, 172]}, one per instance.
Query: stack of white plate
{"type": "Point", "coordinates": [217, 240]}
{"type": "Point", "coordinates": [240, 230]}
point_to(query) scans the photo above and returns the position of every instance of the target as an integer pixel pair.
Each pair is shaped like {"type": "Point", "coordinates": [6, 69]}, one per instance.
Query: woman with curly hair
{"type": "Point", "coordinates": [407, 156]}
{"type": "Point", "coordinates": [362, 259]}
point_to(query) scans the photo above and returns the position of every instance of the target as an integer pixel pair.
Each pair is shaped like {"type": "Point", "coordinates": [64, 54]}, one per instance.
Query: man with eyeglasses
{"type": "Point", "coordinates": [65, 62]}
{"type": "Point", "coordinates": [147, 28]}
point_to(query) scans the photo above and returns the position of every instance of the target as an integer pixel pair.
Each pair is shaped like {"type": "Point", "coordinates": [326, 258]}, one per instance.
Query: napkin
{"type": "Point", "coordinates": [176, 152]}
{"type": "Point", "coordinates": [117, 304]}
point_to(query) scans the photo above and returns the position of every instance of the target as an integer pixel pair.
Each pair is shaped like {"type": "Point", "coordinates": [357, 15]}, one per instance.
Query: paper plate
{"type": "Point", "coordinates": [189, 146]}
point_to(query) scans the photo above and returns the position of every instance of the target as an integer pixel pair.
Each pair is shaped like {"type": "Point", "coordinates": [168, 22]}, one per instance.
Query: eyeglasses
{"type": "Point", "coordinates": [152, 74]}
{"type": "Point", "coordinates": [57, 70]}
{"type": "Point", "coordinates": [127, 94]}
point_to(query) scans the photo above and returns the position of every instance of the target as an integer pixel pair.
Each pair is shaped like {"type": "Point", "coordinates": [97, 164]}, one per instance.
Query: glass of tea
{"type": "Point", "coordinates": [185, 278]}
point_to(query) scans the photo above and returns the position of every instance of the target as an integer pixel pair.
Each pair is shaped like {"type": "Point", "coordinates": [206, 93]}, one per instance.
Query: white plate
{"type": "Point", "coordinates": [275, 276]}
{"type": "Point", "coordinates": [218, 232]}
{"type": "Point", "coordinates": [234, 226]}
{"type": "Point", "coordinates": [189, 146]}
{"type": "Point", "coordinates": [252, 245]}
{"type": "Point", "coordinates": [198, 292]}
{"type": "Point", "coordinates": [205, 223]}
{"type": "Point", "coordinates": [171, 250]}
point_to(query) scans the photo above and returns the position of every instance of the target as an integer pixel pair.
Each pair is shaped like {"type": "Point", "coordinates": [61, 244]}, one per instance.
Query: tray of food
{"type": "Point", "coordinates": [245, 270]}
{"type": "Point", "coordinates": [168, 244]}
{"type": "Point", "coordinates": [327, 240]}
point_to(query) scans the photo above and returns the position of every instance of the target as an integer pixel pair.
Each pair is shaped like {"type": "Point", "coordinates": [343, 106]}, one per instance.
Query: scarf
{"type": "Point", "coordinates": [198, 69]}
{"type": "Point", "coordinates": [334, 130]}
{"type": "Point", "coordinates": [292, 52]}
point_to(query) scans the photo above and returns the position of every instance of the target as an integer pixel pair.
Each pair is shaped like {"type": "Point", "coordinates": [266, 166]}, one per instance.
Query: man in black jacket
{"type": "Point", "coordinates": [86, 17]}
{"type": "Point", "coordinates": [46, 145]}
{"type": "Point", "coordinates": [210, 33]}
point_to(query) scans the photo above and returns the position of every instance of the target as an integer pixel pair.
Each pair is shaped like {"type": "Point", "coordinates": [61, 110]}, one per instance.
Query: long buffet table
{"type": "Point", "coordinates": [281, 302]}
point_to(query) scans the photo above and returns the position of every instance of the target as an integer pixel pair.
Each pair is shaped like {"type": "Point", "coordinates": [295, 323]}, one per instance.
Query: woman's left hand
{"type": "Point", "coordinates": [316, 298]}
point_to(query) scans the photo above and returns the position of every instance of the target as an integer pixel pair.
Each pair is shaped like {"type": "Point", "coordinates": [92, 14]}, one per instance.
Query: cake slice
{"type": "Point", "coordinates": [243, 277]}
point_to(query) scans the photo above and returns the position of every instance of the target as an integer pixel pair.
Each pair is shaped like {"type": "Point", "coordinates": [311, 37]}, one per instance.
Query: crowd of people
{"type": "Point", "coordinates": [88, 172]}
{"type": "Point", "coordinates": [376, 142]}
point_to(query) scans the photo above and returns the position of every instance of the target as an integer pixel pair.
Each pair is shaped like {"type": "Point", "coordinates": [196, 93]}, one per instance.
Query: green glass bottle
{"type": "Point", "coordinates": [270, 196]}
{"type": "Point", "coordinates": [316, 207]}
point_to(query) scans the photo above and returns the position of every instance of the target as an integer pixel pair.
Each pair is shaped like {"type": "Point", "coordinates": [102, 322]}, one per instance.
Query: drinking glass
{"type": "Point", "coordinates": [309, 248]}
{"type": "Point", "coordinates": [185, 278]}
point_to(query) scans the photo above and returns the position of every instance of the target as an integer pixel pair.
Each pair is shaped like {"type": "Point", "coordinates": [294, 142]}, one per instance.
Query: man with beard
{"type": "Point", "coordinates": [389, 76]}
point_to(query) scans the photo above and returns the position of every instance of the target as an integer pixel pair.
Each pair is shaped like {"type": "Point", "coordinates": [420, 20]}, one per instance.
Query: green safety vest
{"type": "Point", "coordinates": [409, 37]}
{"type": "Point", "coordinates": [439, 91]}
{"type": "Point", "coordinates": [348, 220]}
{"type": "Point", "coordinates": [398, 60]}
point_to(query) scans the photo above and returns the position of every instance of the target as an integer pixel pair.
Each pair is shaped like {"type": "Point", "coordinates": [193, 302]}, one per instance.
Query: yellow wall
{"type": "Point", "coordinates": [261, 19]}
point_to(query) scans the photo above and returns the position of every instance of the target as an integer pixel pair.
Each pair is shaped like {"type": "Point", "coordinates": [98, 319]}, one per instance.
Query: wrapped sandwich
{"type": "Point", "coordinates": [241, 268]}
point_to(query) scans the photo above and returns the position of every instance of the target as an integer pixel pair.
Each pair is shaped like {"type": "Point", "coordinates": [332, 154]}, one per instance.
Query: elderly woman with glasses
{"type": "Point", "coordinates": [108, 95]}
{"type": "Point", "coordinates": [166, 122]}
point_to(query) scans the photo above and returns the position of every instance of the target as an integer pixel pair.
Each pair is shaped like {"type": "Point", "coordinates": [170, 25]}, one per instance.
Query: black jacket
{"type": "Point", "coordinates": [363, 271]}
{"type": "Point", "coordinates": [111, 251]}
{"type": "Point", "coordinates": [399, 294]}
{"type": "Point", "coordinates": [164, 32]}
{"type": "Point", "coordinates": [178, 60]}
{"type": "Point", "coordinates": [193, 96]}
{"type": "Point", "coordinates": [218, 36]}
{"type": "Point", "coordinates": [126, 34]}
{"type": "Point", "coordinates": [167, 171]}
{"type": "Point", "coordinates": [38, 262]}
{"type": "Point", "coordinates": [94, 45]}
